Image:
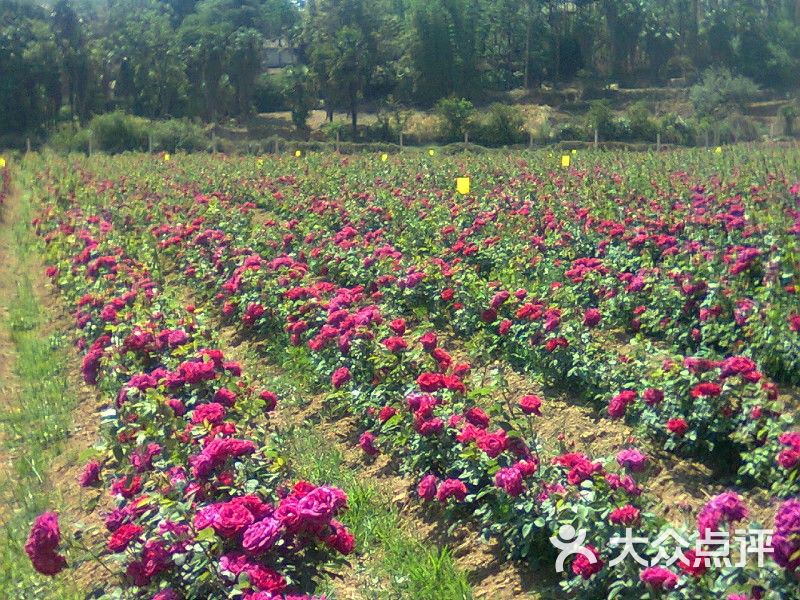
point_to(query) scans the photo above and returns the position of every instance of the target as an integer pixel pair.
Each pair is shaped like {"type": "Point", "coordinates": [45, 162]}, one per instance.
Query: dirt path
{"type": "Point", "coordinates": [9, 382]}
{"type": "Point", "coordinates": [80, 509]}
{"type": "Point", "coordinates": [491, 575]}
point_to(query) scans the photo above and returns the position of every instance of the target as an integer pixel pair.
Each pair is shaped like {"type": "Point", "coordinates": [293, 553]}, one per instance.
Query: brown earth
{"type": "Point", "coordinates": [80, 510]}
{"type": "Point", "coordinates": [487, 570]}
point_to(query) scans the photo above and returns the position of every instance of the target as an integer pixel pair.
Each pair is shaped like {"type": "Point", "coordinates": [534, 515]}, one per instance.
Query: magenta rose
{"type": "Point", "coordinates": [262, 535]}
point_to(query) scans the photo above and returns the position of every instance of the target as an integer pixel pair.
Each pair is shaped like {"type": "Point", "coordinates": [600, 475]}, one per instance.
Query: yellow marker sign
{"type": "Point", "coordinates": [462, 185]}
{"type": "Point", "coordinates": [2, 163]}
{"type": "Point", "coordinates": [166, 156]}
{"type": "Point", "coordinates": [574, 151]}
{"type": "Point", "coordinates": [565, 160]}
{"type": "Point", "coordinates": [718, 149]}
{"type": "Point", "coordinates": [384, 157]}
{"type": "Point", "coordinates": [260, 162]}
{"type": "Point", "coordinates": [431, 152]}
{"type": "Point", "coordinates": [298, 153]}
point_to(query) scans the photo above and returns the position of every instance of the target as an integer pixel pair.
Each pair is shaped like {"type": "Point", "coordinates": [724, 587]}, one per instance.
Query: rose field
{"type": "Point", "coordinates": [329, 376]}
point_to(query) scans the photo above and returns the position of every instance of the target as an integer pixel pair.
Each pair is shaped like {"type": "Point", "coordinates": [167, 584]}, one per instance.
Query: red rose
{"type": "Point", "coordinates": [340, 377]}
{"type": "Point", "coordinates": [477, 417]}
{"type": "Point", "coordinates": [653, 396]}
{"type": "Point", "coordinates": [123, 536]}
{"type": "Point", "coordinates": [231, 519]}
{"type": "Point", "coordinates": [585, 567]}
{"type": "Point", "coordinates": [398, 326]}
{"type": "Point", "coordinates": [430, 382]}
{"type": "Point", "coordinates": [591, 317]}
{"type": "Point", "coordinates": [677, 426]}
{"type": "Point", "coordinates": [626, 515]}
{"type": "Point", "coordinates": [531, 405]}
{"type": "Point", "coordinates": [706, 389]}
{"type": "Point", "coordinates": [492, 443]}
{"type": "Point", "coordinates": [428, 341]}
{"type": "Point", "coordinates": [692, 566]}
{"type": "Point", "coordinates": [395, 344]}
{"type": "Point", "coordinates": [270, 399]}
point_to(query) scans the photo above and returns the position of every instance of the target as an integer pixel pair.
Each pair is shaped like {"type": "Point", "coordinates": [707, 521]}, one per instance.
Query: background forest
{"type": "Point", "coordinates": [214, 60]}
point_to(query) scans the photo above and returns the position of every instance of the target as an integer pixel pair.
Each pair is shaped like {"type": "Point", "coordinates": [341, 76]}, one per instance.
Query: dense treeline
{"type": "Point", "coordinates": [206, 59]}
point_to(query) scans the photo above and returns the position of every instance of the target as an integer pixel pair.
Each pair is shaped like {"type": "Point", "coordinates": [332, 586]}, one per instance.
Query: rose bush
{"type": "Point", "coordinates": [666, 302]}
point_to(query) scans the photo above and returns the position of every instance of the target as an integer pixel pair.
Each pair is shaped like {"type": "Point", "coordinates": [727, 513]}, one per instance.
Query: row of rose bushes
{"type": "Point", "coordinates": [704, 263]}
{"type": "Point", "coordinates": [694, 405]}
{"type": "Point", "coordinates": [203, 506]}
{"type": "Point", "coordinates": [419, 406]}
{"type": "Point", "coordinates": [415, 404]}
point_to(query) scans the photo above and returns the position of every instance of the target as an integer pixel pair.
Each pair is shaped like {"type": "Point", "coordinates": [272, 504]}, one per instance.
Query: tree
{"type": "Point", "coordinates": [301, 93]}
{"type": "Point", "coordinates": [443, 50]}
{"type": "Point", "coordinates": [30, 77]}
{"type": "Point", "coordinates": [150, 66]}
{"type": "Point", "coordinates": [205, 53]}
{"type": "Point", "coordinates": [75, 60]}
{"type": "Point", "coordinates": [343, 37]}
{"type": "Point", "coordinates": [245, 65]}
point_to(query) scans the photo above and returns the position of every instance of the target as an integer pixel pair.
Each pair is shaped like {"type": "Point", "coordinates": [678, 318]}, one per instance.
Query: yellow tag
{"type": "Point", "coordinates": [260, 162]}
{"type": "Point", "coordinates": [574, 151]}
{"type": "Point", "coordinates": [565, 160]}
{"type": "Point", "coordinates": [166, 156]}
{"type": "Point", "coordinates": [431, 152]}
{"type": "Point", "coordinates": [718, 149]}
{"type": "Point", "coordinates": [462, 185]}
{"type": "Point", "coordinates": [2, 163]}
{"type": "Point", "coordinates": [298, 153]}
{"type": "Point", "coordinates": [384, 157]}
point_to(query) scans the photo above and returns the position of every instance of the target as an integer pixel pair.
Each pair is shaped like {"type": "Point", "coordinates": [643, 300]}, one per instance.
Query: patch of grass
{"type": "Point", "coordinates": [34, 421]}
{"type": "Point", "coordinates": [398, 564]}
{"type": "Point", "coordinates": [392, 562]}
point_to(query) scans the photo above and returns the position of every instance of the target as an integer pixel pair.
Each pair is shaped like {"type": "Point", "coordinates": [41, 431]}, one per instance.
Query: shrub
{"type": "Point", "coordinates": [739, 128]}
{"type": "Point", "coordinates": [571, 130]}
{"type": "Point", "coordinates": [600, 117]}
{"type": "Point", "coordinates": [679, 65]}
{"type": "Point", "coordinates": [720, 93]}
{"type": "Point", "coordinates": [422, 128]}
{"type": "Point", "coordinates": [117, 131]}
{"type": "Point", "coordinates": [178, 134]}
{"type": "Point", "coordinates": [330, 129]}
{"type": "Point", "coordinates": [642, 125]}
{"type": "Point", "coordinates": [455, 114]}
{"type": "Point", "coordinates": [676, 130]}
{"type": "Point", "coordinates": [501, 125]}
{"type": "Point", "coordinates": [269, 95]}
{"type": "Point", "coordinates": [788, 113]}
